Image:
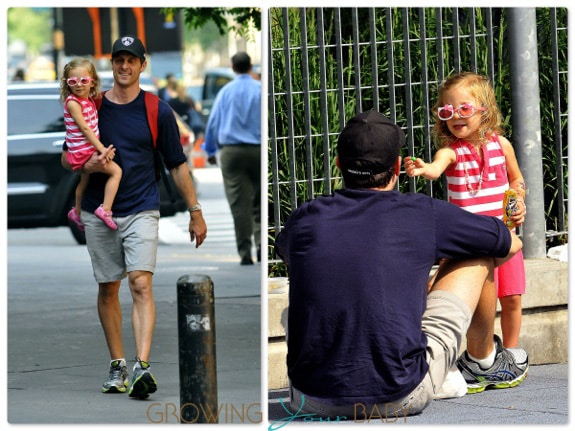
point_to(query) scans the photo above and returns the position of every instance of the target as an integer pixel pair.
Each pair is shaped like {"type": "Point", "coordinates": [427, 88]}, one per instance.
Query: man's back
{"type": "Point", "coordinates": [236, 113]}
{"type": "Point", "coordinates": [359, 263]}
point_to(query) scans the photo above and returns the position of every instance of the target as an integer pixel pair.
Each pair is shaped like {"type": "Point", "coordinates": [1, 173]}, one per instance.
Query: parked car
{"type": "Point", "coordinates": [40, 191]}
{"type": "Point", "coordinates": [214, 80]}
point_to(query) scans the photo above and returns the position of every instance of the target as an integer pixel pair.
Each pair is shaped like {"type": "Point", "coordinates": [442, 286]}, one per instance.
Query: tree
{"type": "Point", "coordinates": [244, 17]}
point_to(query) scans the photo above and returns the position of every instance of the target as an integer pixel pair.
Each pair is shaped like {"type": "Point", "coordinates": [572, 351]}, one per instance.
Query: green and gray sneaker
{"type": "Point", "coordinates": [118, 379]}
{"type": "Point", "coordinates": [143, 382]}
{"type": "Point", "coordinates": [508, 370]}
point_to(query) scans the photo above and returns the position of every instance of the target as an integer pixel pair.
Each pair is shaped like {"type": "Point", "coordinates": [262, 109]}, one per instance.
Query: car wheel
{"type": "Point", "coordinates": [78, 235]}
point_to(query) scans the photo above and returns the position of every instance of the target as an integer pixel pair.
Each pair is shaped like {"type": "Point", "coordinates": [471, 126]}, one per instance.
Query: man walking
{"type": "Point", "coordinates": [234, 127]}
{"type": "Point", "coordinates": [131, 250]}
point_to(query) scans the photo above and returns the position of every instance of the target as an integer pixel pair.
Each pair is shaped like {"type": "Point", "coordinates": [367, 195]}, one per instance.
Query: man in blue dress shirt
{"type": "Point", "coordinates": [234, 128]}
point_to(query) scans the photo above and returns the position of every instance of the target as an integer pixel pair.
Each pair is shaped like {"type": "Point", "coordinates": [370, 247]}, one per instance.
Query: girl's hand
{"type": "Point", "coordinates": [413, 167]}
{"type": "Point", "coordinates": [518, 217]}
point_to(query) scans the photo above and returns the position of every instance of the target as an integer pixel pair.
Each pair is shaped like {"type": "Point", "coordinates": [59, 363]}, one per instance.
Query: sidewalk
{"type": "Point", "coordinates": [542, 398]}
{"type": "Point", "coordinates": [57, 356]}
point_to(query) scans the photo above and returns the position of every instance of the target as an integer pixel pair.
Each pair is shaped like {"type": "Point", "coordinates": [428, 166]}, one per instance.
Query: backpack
{"type": "Point", "coordinates": [152, 103]}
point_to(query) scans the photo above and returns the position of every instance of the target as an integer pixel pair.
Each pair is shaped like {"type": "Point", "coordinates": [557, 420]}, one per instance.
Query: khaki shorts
{"type": "Point", "coordinates": [133, 247]}
{"type": "Point", "coordinates": [445, 322]}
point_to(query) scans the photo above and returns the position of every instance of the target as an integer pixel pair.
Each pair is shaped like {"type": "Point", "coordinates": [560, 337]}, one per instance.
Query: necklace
{"type": "Point", "coordinates": [468, 182]}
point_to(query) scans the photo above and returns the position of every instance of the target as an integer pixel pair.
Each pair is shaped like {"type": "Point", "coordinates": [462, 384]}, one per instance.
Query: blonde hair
{"type": "Point", "coordinates": [73, 64]}
{"type": "Point", "coordinates": [481, 89]}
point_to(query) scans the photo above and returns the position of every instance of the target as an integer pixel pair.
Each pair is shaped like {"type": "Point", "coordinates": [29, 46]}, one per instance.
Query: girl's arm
{"type": "Point", "coordinates": [75, 110]}
{"type": "Point", "coordinates": [516, 180]}
{"type": "Point", "coordinates": [431, 171]}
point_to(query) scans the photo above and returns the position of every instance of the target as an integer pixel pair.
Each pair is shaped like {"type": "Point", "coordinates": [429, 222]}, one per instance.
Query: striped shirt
{"type": "Point", "coordinates": [466, 190]}
{"type": "Point", "coordinates": [75, 139]}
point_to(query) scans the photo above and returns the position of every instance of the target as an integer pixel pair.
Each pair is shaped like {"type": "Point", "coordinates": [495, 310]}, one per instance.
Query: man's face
{"type": "Point", "coordinates": [127, 68]}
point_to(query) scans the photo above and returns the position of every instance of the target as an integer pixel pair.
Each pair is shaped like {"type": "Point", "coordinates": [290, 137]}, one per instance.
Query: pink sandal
{"type": "Point", "coordinates": [75, 218]}
{"type": "Point", "coordinates": [106, 217]}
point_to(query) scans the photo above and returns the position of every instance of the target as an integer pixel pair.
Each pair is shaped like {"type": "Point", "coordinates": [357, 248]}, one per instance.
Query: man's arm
{"type": "Point", "coordinates": [516, 245]}
{"type": "Point", "coordinates": [95, 163]}
{"type": "Point", "coordinates": [183, 181]}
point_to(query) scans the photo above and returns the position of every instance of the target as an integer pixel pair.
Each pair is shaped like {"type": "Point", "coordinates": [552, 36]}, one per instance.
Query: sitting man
{"type": "Point", "coordinates": [362, 328]}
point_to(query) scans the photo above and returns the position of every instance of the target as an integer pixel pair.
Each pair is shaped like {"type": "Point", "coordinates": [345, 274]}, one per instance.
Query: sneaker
{"type": "Point", "coordinates": [143, 382]}
{"type": "Point", "coordinates": [75, 218]}
{"type": "Point", "coordinates": [454, 385]}
{"type": "Point", "coordinates": [118, 378]}
{"type": "Point", "coordinates": [106, 217]}
{"type": "Point", "coordinates": [508, 370]}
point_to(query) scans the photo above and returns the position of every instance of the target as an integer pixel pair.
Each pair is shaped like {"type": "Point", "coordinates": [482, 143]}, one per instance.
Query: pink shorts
{"type": "Point", "coordinates": [510, 277]}
{"type": "Point", "coordinates": [79, 158]}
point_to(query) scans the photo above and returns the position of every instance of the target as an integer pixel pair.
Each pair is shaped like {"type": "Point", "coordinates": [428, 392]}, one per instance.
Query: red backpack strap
{"type": "Point", "coordinates": [98, 100]}
{"type": "Point", "coordinates": [152, 105]}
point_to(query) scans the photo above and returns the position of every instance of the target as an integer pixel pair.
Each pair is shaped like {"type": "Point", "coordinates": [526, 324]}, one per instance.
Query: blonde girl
{"type": "Point", "coordinates": [79, 86]}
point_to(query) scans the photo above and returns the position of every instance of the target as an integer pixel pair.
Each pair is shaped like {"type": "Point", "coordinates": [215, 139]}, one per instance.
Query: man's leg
{"type": "Point", "coordinates": [143, 312]}
{"type": "Point", "coordinates": [453, 295]}
{"type": "Point", "coordinates": [480, 333]}
{"type": "Point", "coordinates": [110, 313]}
{"type": "Point", "coordinates": [485, 364]}
{"type": "Point", "coordinates": [143, 322]}
{"type": "Point", "coordinates": [465, 279]}
{"type": "Point", "coordinates": [235, 165]}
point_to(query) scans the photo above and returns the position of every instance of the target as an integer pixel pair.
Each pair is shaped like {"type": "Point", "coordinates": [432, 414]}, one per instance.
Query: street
{"type": "Point", "coordinates": [57, 355]}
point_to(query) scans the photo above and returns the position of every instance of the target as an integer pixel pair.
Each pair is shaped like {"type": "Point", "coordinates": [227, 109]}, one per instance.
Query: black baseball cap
{"type": "Point", "coordinates": [130, 44]}
{"type": "Point", "coordinates": [369, 144]}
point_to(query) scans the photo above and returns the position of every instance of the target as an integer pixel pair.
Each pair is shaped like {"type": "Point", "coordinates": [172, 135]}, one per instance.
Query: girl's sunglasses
{"type": "Point", "coordinates": [84, 80]}
{"type": "Point", "coordinates": [465, 111]}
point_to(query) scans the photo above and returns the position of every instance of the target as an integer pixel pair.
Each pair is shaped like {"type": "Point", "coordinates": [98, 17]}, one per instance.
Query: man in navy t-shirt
{"type": "Point", "coordinates": [131, 250]}
{"type": "Point", "coordinates": [363, 332]}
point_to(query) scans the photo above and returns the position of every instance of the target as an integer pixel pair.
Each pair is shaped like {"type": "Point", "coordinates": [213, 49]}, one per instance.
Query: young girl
{"type": "Point", "coordinates": [480, 165]}
{"type": "Point", "coordinates": [80, 84]}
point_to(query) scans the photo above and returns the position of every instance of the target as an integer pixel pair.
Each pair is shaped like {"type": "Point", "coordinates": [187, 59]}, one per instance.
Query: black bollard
{"type": "Point", "coordinates": [197, 350]}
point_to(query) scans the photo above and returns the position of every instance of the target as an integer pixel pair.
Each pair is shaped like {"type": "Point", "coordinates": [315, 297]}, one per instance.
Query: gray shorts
{"type": "Point", "coordinates": [445, 322]}
{"type": "Point", "coordinates": [133, 247]}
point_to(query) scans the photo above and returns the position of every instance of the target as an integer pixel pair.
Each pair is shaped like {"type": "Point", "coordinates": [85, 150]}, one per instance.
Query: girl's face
{"type": "Point", "coordinates": [462, 128]}
{"type": "Point", "coordinates": [77, 81]}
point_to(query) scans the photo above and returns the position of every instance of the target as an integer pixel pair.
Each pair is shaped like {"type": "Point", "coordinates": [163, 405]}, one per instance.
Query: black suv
{"type": "Point", "coordinates": [40, 190]}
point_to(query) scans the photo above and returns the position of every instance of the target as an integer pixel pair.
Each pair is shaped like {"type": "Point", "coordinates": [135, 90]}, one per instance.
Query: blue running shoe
{"type": "Point", "coordinates": [508, 370]}
{"type": "Point", "coordinates": [143, 382]}
{"type": "Point", "coordinates": [118, 379]}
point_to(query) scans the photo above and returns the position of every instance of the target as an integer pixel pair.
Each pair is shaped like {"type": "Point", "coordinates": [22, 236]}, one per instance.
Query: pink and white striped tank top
{"type": "Point", "coordinates": [75, 139]}
{"type": "Point", "coordinates": [475, 185]}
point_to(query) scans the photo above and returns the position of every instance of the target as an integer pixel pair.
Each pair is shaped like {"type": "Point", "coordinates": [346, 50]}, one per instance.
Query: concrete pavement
{"type": "Point", "coordinates": [542, 399]}
{"type": "Point", "coordinates": [57, 357]}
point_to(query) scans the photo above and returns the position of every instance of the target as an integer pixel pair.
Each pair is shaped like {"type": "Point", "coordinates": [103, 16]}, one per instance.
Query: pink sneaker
{"type": "Point", "coordinates": [75, 218]}
{"type": "Point", "coordinates": [106, 217]}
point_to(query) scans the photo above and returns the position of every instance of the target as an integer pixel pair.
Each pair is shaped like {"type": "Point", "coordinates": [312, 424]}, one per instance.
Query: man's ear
{"type": "Point", "coordinates": [397, 167]}
{"type": "Point", "coordinates": [337, 162]}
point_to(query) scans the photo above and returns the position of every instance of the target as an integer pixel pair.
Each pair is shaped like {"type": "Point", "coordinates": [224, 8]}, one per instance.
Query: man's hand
{"type": "Point", "coordinates": [212, 160]}
{"type": "Point", "coordinates": [99, 160]}
{"type": "Point", "coordinates": [198, 229]}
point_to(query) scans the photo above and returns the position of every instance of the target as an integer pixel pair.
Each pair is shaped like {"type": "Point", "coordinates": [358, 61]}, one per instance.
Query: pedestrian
{"type": "Point", "coordinates": [480, 165]}
{"type": "Point", "coordinates": [363, 331]}
{"type": "Point", "coordinates": [166, 92]}
{"type": "Point", "coordinates": [185, 106]}
{"type": "Point", "coordinates": [131, 250]}
{"type": "Point", "coordinates": [79, 85]}
{"type": "Point", "coordinates": [234, 127]}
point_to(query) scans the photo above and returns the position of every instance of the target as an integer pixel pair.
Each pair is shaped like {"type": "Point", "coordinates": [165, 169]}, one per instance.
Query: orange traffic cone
{"type": "Point", "coordinates": [199, 155]}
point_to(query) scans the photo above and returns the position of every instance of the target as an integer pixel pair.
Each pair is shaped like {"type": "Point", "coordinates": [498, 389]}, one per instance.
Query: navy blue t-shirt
{"type": "Point", "coordinates": [358, 263]}
{"type": "Point", "coordinates": [126, 127]}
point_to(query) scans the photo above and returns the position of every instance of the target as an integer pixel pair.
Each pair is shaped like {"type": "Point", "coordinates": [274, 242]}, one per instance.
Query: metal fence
{"type": "Point", "coordinates": [327, 64]}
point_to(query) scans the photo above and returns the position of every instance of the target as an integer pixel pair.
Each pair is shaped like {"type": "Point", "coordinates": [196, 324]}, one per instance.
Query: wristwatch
{"type": "Point", "coordinates": [196, 207]}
